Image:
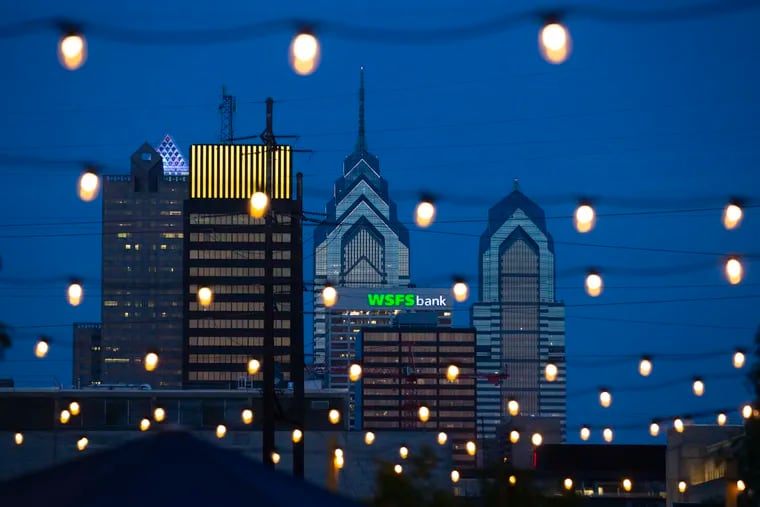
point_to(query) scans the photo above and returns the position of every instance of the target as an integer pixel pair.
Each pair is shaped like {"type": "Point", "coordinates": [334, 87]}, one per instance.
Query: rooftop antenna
{"type": "Point", "coordinates": [226, 111]}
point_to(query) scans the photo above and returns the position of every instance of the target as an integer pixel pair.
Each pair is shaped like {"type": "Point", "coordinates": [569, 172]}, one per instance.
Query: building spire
{"type": "Point", "coordinates": [361, 141]}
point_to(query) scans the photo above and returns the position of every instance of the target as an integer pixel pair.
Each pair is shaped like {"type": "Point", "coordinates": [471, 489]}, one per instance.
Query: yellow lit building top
{"type": "Point", "coordinates": [236, 171]}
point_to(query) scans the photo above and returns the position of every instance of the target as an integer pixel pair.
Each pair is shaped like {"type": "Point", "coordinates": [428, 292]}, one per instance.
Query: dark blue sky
{"type": "Point", "coordinates": [650, 118]}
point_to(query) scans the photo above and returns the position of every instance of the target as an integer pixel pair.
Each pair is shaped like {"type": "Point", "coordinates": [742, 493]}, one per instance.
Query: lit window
{"type": "Point", "coordinates": [128, 246]}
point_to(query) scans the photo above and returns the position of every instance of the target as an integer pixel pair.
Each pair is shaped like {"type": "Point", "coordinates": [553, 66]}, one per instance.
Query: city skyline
{"type": "Point", "coordinates": [653, 122]}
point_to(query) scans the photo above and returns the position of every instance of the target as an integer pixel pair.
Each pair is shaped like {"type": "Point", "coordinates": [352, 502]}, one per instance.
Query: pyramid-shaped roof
{"type": "Point", "coordinates": [174, 162]}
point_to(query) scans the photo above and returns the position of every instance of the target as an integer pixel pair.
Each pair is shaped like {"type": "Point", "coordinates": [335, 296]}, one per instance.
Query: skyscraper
{"type": "Point", "coordinates": [142, 270]}
{"type": "Point", "coordinates": [87, 354]}
{"type": "Point", "coordinates": [361, 244]}
{"type": "Point", "coordinates": [520, 326]}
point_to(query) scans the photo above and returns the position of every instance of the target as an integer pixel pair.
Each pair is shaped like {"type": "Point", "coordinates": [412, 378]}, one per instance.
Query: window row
{"type": "Point", "coordinates": [254, 288]}
{"type": "Point", "coordinates": [229, 306]}
{"type": "Point", "coordinates": [227, 254]}
{"type": "Point", "coordinates": [226, 341]}
{"type": "Point", "coordinates": [237, 219]}
{"type": "Point", "coordinates": [226, 323]}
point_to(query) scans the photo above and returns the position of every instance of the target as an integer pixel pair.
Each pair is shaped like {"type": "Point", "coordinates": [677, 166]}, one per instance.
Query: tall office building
{"type": "Point", "coordinates": [361, 244]}
{"type": "Point", "coordinates": [253, 267]}
{"type": "Point", "coordinates": [142, 270]}
{"type": "Point", "coordinates": [520, 326]}
{"type": "Point", "coordinates": [87, 354]}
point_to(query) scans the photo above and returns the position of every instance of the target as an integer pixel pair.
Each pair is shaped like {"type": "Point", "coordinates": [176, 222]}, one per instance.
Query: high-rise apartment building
{"type": "Point", "coordinates": [142, 269]}
{"type": "Point", "coordinates": [361, 244]}
{"type": "Point", "coordinates": [520, 326]}
{"type": "Point", "coordinates": [87, 354]}
{"type": "Point", "coordinates": [253, 267]}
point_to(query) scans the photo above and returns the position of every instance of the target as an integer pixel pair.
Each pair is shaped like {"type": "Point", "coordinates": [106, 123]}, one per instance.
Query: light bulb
{"type": "Point", "coordinates": [151, 361]}
{"type": "Point", "coordinates": [554, 42]}
{"type": "Point", "coordinates": [678, 424]}
{"type": "Point", "coordinates": [334, 416]}
{"type": "Point", "coordinates": [253, 366]}
{"type": "Point", "coordinates": [442, 438]}
{"type": "Point", "coordinates": [594, 284]}
{"type": "Point", "coordinates": [329, 296]}
{"type": "Point", "coordinates": [275, 457]}
{"type": "Point", "coordinates": [452, 372]}
{"type": "Point", "coordinates": [461, 291]}
{"type": "Point", "coordinates": [339, 461]}
{"type": "Point", "coordinates": [72, 50]}
{"type": "Point", "coordinates": [584, 218]}
{"type": "Point", "coordinates": [627, 485]}
{"type": "Point", "coordinates": [398, 469]}
{"type": "Point", "coordinates": [654, 429]}
{"type": "Point", "coordinates": [607, 434]}
{"type": "Point", "coordinates": [88, 185]}
{"type": "Point", "coordinates": [82, 443]}
{"type": "Point", "coordinates": [74, 293]}
{"type": "Point", "coordinates": [568, 483]}
{"type": "Point", "coordinates": [423, 413]}
{"type": "Point", "coordinates": [734, 270]}
{"type": "Point", "coordinates": [645, 367]}
{"type": "Point", "coordinates": [247, 416]}
{"type": "Point", "coordinates": [41, 348]}
{"type": "Point", "coordinates": [258, 205]}
{"type": "Point", "coordinates": [454, 476]}
{"type": "Point", "coordinates": [205, 296]}
{"type": "Point", "coordinates": [747, 411]}
{"type": "Point", "coordinates": [18, 438]}
{"type": "Point", "coordinates": [536, 439]}
{"type": "Point", "coordinates": [512, 480]}
{"type": "Point", "coordinates": [221, 431]}
{"type": "Point", "coordinates": [585, 433]}
{"type": "Point", "coordinates": [403, 452]}
{"type": "Point", "coordinates": [513, 407]}
{"type": "Point", "coordinates": [740, 486]}
{"type": "Point", "coordinates": [355, 372]}
{"type": "Point", "coordinates": [369, 438]}
{"type": "Point", "coordinates": [471, 448]}
{"type": "Point", "coordinates": [144, 424]}
{"type": "Point", "coordinates": [550, 372]}
{"type": "Point", "coordinates": [424, 213]}
{"type": "Point", "coordinates": [698, 387]}
{"type": "Point", "coordinates": [74, 408]}
{"type": "Point", "coordinates": [722, 419]}
{"type": "Point", "coordinates": [605, 398]}
{"type": "Point", "coordinates": [65, 416]}
{"type": "Point", "coordinates": [296, 436]}
{"type": "Point", "coordinates": [304, 53]}
{"type": "Point", "coordinates": [739, 359]}
{"type": "Point", "coordinates": [681, 486]}
{"type": "Point", "coordinates": [514, 436]}
{"type": "Point", "coordinates": [159, 414]}
{"type": "Point", "coordinates": [732, 216]}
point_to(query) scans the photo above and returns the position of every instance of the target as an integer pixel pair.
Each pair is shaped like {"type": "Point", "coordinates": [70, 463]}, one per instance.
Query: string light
{"type": "Point", "coordinates": [144, 424]}
{"type": "Point", "coordinates": [424, 213]}
{"type": "Point", "coordinates": [454, 476]}
{"type": "Point", "coordinates": [732, 215]}
{"type": "Point", "coordinates": [594, 284]}
{"type": "Point", "coordinates": [329, 296]}
{"type": "Point", "coordinates": [554, 41]}
{"type": "Point", "coordinates": [698, 387]}
{"type": "Point", "coordinates": [88, 185]}
{"type": "Point", "coordinates": [550, 372]}
{"type": "Point", "coordinates": [65, 416]}
{"type": "Point", "coordinates": [247, 416]}
{"type": "Point", "coordinates": [72, 49]}
{"type": "Point", "coordinates": [18, 438]}
{"type": "Point", "coordinates": [442, 438]}
{"type": "Point", "coordinates": [645, 367]}
{"type": "Point", "coordinates": [258, 204]}
{"type": "Point", "coordinates": [74, 408]}
{"type": "Point", "coordinates": [82, 443]}
{"type": "Point", "coordinates": [585, 433]}
{"type": "Point", "coordinates": [739, 359]}
{"type": "Point", "coordinates": [512, 480]}
{"type": "Point", "coordinates": [584, 218]}
{"type": "Point", "coordinates": [734, 270]}
{"type": "Point", "coordinates": [253, 366]}
{"type": "Point", "coordinates": [722, 419]}
{"type": "Point", "coordinates": [747, 411]}
{"type": "Point", "coordinates": [514, 436]}
{"type": "Point", "coordinates": [452, 372]}
{"type": "Point", "coordinates": [471, 448]}
{"type": "Point", "coordinates": [678, 424]}
{"type": "Point", "coordinates": [398, 469]}
{"type": "Point", "coordinates": [41, 348]}
{"type": "Point", "coordinates": [627, 485]}
{"type": "Point", "coordinates": [304, 53]}
{"type": "Point", "coordinates": [296, 436]}
{"type": "Point", "coordinates": [339, 461]}
{"type": "Point", "coordinates": [607, 434]}
{"type": "Point", "coordinates": [151, 361]}
{"type": "Point", "coordinates": [681, 486]}
{"type": "Point", "coordinates": [536, 439]}
{"type": "Point", "coordinates": [205, 296]}
{"type": "Point", "coordinates": [334, 416]}
{"type": "Point", "coordinates": [275, 457]}
{"type": "Point", "coordinates": [403, 452]}
{"type": "Point", "coordinates": [513, 407]}
{"type": "Point", "coordinates": [159, 414]}
{"type": "Point", "coordinates": [423, 413]}
{"type": "Point", "coordinates": [605, 398]}
{"type": "Point", "coordinates": [221, 431]}
{"type": "Point", "coordinates": [568, 483]}
{"type": "Point", "coordinates": [654, 429]}
{"type": "Point", "coordinates": [369, 438]}
{"type": "Point", "coordinates": [74, 293]}
{"type": "Point", "coordinates": [461, 291]}
{"type": "Point", "coordinates": [354, 372]}
{"type": "Point", "coordinates": [740, 486]}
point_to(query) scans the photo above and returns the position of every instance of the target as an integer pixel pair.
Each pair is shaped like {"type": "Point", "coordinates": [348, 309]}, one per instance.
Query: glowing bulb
{"type": "Point", "coordinates": [159, 414]}
{"type": "Point", "coordinates": [471, 448]}
{"type": "Point", "coordinates": [275, 457]}
{"type": "Point", "coordinates": [747, 411]}
{"type": "Point", "coordinates": [398, 469]}
{"type": "Point", "coordinates": [424, 213]}
{"type": "Point", "coordinates": [151, 361]}
{"type": "Point", "coordinates": [740, 485]}
{"type": "Point", "coordinates": [355, 372]}
{"type": "Point", "coordinates": [253, 366]}
{"type": "Point", "coordinates": [678, 424]}
{"type": "Point", "coordinates": [221, 431]}
{"type": "Point", "coordinates": [607, 434]}
{"type": "Point", "coordinates": [732, 216]}
{"type": "Point", "coordinates": [454, 476]}
{"type": "Point", "coordinates": [41, 348]}
{"type": "Point", "coordinates": [74, 293]}
{"type": "Point", "coordinates": [568, 484]}
{"type": "Point", "coordinates": [339, 461]}
{"type": "Point", "coordinates": [18, 438]}
{"type": "Point", "coordinates": [584, 218]}
{"type": "Point", "coordinates": [585, 433]}
{"type": "Point", "coordinates": [605, 398]}
{"type": "Point", "coordinates": [627, 485]}
{"type": "Point", "coordinates": [681, 486]}
{"type": "Point", "coordinates": [423, 413]}
{"type": "Point", "coordinates": [461, 291]}
{"type": "Point", "coordinates": [205, 296]}
{"type": "Point", "coordinates": [722, 419]}
{"type": "Point", "coordinates": [513, 407]}
{"type": "Point", "coordinates": [654, 429]}
{"type": "Point", "coordinates": [645, 367]}
{"type": "Point", "coordinates": [329, 296]}
{"type": "Point", "coordinates": [734, 270]}
{"type": "Point", "coordinates": [739, 359]}
{"type": "Point", "coordinates": [334, 416]}
{"type": "Point", "coordinates": [74, 408]}
{"type": "Point", "coordinates": [304, 53]}
{"type": "Point", "coordinates": [144, 424]}
{"type": "Point", "coordinates": [369, 438]}
{"type": "Point", "coordinates": [88, 186]}
{"type": "Point", "coordinates": [297, 435]}
{"type": "Point", "coordinates": [512, 480]}
{"type": "Point", "coordinates": [247, 416]}
{"type": "Point", "coordinates": [403, 452]}
{"type": "Point", "coordinates": [259, 204]}
{"type": "Point", "coordinates": [514, 436]}
{"type": "Point", "coordinates": [554, 42]}
{"type": "Point", "coordinates": [82, 443]}
{"type": "Point", "coordinates": [594, 284]}
{"type": "Point", "coordinates": [338, 452]}
{"type": "Point", "coordinates": [452, 372]}
{"type": "Point", "coordinates": [442, 438]}
{"type": "Point", "coordinates": [550, 372]}
{"type": "Point", "coordinates": [65, 416]}
{"type": "Point", "coordinates": [536, 439]}
{"type": "Point", "coordinates": [72, 50]}
{"type": "Point", "coordinates": [698, 387]}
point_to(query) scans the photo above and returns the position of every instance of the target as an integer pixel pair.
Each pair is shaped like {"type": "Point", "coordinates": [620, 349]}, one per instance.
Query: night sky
{"type": "Point", "coordinates": [657, 121]}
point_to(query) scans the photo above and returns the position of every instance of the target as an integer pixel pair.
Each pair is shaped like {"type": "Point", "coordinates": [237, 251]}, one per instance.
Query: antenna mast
{"type": "Point", "coordinates": [226, 111]}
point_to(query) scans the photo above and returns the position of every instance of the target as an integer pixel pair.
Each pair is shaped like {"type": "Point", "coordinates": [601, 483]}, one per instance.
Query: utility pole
{"type": "Point", "coordinates": [268, 372]}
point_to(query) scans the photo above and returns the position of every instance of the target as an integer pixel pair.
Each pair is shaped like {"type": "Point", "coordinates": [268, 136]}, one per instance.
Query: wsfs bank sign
{"type": "Point", "coordinates": [398, 299]}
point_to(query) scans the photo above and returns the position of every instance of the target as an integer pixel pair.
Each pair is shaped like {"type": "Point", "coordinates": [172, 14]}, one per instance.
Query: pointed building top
{"type": "Point", "coordinates": [516, 185]}
{"type": "Point", "coordinates": [174, 163]}
{"type": "Point", "coordinates": [361, 141]}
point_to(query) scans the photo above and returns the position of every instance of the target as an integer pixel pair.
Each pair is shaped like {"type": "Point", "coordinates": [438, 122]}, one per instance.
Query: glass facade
{"type": "Point", "coordinates": [88, 360]}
